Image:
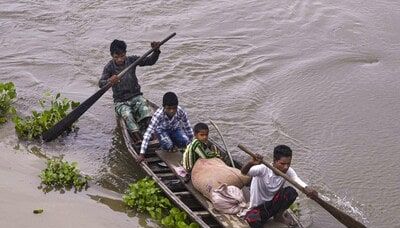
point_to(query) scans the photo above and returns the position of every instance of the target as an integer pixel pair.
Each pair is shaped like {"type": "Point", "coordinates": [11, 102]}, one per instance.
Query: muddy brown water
{"type": "Point", "coordinates": [319, 76]}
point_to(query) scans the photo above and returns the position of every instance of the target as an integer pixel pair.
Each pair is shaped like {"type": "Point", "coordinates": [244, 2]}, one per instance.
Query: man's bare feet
{"type": "Point", "coordinates": [284, 218]}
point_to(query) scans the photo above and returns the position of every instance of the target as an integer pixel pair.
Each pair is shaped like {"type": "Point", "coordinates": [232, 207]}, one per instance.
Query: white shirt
{"type": "Point", "coordinates": [265, 183]}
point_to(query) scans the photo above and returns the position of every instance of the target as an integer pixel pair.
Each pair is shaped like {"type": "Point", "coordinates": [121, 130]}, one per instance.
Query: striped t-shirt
{"type": "Point", "coordinates": [195, 150]}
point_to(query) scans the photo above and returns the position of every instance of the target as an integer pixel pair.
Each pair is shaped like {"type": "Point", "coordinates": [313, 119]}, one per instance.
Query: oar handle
{"type": "Point", "coordinates": [144, 56]}
{"type": "Point", "coordinates": [342, 217]}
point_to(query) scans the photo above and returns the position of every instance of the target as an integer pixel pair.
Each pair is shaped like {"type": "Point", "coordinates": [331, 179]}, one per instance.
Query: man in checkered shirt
{"type": "Point", "coordinates": [171, 125]}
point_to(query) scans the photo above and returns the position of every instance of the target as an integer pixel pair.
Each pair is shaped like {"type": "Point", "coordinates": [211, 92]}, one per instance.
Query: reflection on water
{"type": "Point", "coordinates": [119, 206]}
{"type": "Point", "coordinates": [120, 168]}
{"type": "Point", "coordinates": [114, 204]}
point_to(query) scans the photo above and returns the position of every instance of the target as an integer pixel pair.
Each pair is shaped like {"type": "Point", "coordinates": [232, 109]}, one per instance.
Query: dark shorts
{"type": "Point", "coordinates": [133, 111]}
{"type": "Point", "coordinates": [259, 215]}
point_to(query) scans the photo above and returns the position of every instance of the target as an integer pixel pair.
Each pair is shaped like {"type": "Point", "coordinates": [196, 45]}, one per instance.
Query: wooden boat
{"type": "Point", "coordinates": [182, 193]}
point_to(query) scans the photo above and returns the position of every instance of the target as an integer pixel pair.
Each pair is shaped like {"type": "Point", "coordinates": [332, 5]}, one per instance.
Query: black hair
{"type": "Point", "coordinates": [117, 47]}
{"type": "Point", "coordinates": [282, 151]}
{"type": "Point", "coordinates": [200, 126]}
{"type": "Point", "coordinates": [170, 99]}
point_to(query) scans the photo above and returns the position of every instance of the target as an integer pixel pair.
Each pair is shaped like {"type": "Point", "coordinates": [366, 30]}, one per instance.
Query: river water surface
{"type": "Point", "coordinates": [319, 76]}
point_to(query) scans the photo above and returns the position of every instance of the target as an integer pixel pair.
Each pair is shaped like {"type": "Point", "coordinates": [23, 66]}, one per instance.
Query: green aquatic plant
{"type": "Point", "coordinates": [32, 127]}
{"type": "Point", "coordinates": [145, 196]}
{"type": "Point", "coordinates": [177, 218]}
{"type": "Point", "coordinates": [295, 208]}
{"type": "Point", "coordinates": [60, 174]}
{"type": "Point", "coordinates": [7, 96]}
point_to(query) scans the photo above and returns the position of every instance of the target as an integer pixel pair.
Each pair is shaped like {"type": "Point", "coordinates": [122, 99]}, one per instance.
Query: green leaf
{"type": "Point", "coordinates": [61, 173]}
{"type": "Point", "coordinates": [7, 96]}
{"type": "Point", "coordinates": [32, 127]}
{"type": "Point", "coordinates": [181, 224]}
{"type": "Point", "coordinates": [167, 221]}
{"type": "Point", "coordinates": [194, 225]}
{"type": "Point", "coordinates": [145, 195]}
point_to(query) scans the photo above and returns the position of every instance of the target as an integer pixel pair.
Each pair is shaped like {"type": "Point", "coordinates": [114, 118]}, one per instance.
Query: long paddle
{"type": "Point", "coordinates": [67, 121]}
{"type": "Point", "coordinates": [342, 217]}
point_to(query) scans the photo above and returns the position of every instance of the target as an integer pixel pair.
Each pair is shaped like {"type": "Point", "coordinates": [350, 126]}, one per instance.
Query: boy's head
{"type": "Point", "coordinates": [117, 47]}
{"type": "Point", "coordinates": [118, 51]}
{"type": "Point", "coordinates": [282, 157]}
{"type": "Point", "coordinates": [170, 103]}
{"type": "Point", "coordinates": [201, 132]}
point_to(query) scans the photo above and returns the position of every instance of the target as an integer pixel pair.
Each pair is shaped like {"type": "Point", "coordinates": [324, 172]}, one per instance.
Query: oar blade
{"type": "Point", "coordinates": [342, 217]}
{"type": "Point", "coordinates": [73, 116]}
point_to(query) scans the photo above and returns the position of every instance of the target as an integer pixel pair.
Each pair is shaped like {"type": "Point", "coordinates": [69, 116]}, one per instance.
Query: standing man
{"type": "Point", "coordinates": [268, 197]}
{"type": "Point", "coordinates": [128, 100]}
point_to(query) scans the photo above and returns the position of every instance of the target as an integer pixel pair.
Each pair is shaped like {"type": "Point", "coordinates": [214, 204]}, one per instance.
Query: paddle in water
{"type": "Point", "coordinates": [342, 217]}
{"type": "Point", "coordinates": [67, 121]}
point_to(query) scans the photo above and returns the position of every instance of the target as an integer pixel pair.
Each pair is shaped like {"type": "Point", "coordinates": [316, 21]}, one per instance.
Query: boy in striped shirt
{"type": "Point", "coordinates": [199, 147]}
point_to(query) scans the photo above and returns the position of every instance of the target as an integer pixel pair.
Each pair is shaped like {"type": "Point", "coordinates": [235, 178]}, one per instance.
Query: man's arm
{"type": "Point", "coordinates": [254, 161]}
{"type": "Point", "coordinates": [152, 59]}
{"type": "Point", "coordinates": [105, 76]}
{"type": "Point", "coordinates": [147, 135]}
{"type": "Point", "coordinates": [292, 173]}
{"type": "Point", "coordinates": [309, 191]}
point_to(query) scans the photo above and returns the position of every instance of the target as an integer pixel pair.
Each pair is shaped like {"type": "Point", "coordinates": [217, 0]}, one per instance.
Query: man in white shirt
{"type": "Point", "coordinates": [268, 197]}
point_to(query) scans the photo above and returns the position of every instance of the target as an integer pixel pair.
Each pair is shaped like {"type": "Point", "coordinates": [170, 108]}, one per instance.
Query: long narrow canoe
{"type": "Point", "coordinates": [182, 193]}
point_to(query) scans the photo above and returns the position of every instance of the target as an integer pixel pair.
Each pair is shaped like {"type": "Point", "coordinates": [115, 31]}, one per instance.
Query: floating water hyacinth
{"type": "Point", "coordinates": [7, 96]}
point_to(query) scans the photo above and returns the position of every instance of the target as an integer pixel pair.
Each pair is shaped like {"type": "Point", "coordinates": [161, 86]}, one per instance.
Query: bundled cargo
{"type": "Point", "coordinates": [210, 174]}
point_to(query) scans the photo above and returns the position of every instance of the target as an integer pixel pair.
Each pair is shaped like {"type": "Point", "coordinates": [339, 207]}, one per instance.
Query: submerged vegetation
{"type": "Point", "coordinates": [60, 174]}
{"type": "Point", "coordinates": [32, 127]}
{"type": "Point", "coordinates": [145, 196]}
{"type": "Point", "coordinates": [7, 96]}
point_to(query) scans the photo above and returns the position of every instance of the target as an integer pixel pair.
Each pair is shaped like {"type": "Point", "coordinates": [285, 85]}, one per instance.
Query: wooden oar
{"type": "Point", "coordinates": [342, 217]}
{"type": "Point", "coordinates": [67, 121]}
